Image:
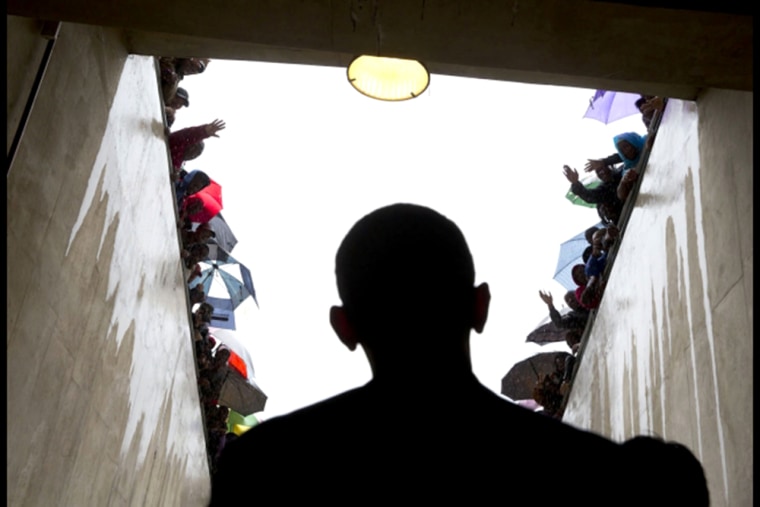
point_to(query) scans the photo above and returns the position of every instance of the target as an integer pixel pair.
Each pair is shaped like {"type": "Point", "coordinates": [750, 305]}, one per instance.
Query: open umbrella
{"type": "Point", "coordinates": [211, 207]}
{"type": "Point", "coordinates": [240, 392]}
{"type": "Point", "coordinates": [216, 252]}
{"type": "Point", "coordinates": [547, 332]}
{"type": "Point", "coordinates": [607, 106]}
{"type": "Point", "coordinates": [519, 382]}
{"type": "Point", "coordinates": [570, 254]}
{"type": "Point", "coordinates": [223, 235]}
{"type": "Point", "coordinates": [223, 315]}
{"type": "Point", "coordinates": [239, 424]}
{"type": "Point", "coordinates": [235, 277]}
{"type": "Point", "coordinates": [231, 340]}
{"type": "Point", "coordinates": [214, 190]}
{"type": "Point", "coordinates": [211, 198]}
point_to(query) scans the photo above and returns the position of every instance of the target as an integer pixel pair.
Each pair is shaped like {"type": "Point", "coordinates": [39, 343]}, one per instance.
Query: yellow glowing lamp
{"type": "Point", "coordinates": [392, 79]}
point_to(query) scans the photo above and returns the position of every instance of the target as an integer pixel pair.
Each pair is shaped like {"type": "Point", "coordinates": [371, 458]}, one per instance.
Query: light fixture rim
{"type": "Point", "coordinates": [413, 96]}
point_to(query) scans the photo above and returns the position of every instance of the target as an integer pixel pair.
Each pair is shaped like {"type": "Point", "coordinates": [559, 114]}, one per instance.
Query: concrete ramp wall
{"type": "Point", "coordinates": [670, 352]}
{"type": "Point", "coordinates": [102, 403]}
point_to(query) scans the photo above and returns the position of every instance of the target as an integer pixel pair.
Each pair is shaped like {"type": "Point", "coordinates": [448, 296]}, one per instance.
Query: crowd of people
{"type": "Point", "coordinates": [424, 335]}
{"type": "Point", "coordinates": [195, 233]}
{"type": "Point", "coordinates": [618, 174]}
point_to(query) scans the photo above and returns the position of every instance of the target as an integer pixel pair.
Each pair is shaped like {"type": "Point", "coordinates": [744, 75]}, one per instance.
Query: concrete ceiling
{"type": "Point", "coordinates": [589, 43]}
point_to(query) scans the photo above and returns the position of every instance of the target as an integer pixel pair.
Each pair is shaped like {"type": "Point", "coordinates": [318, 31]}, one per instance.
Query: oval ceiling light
{"type": "Point", "coordinates": [390, 79]}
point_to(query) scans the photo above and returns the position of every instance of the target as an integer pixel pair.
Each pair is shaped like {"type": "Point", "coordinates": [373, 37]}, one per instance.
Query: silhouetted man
{"type": "Point", "coordinates": [424, 429]}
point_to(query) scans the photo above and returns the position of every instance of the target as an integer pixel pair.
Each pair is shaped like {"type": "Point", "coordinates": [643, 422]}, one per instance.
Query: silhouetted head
{"type": "Point", "coordinates": [193, 205]}
{"type": "Point", "coordinates": [194, 151]}
{"type": "Point", "coordinates": [590, 233]}
{"type": "Point", "coordinates": [180, 99]}
{"type": "Point", "coordinates": [573, 336]}
{"type": "Point", "coordinates": [405, 271]}
{"type": "Point", "coordinates": [199, 250]}
{"type": "Point", "coordinates": [587, 253]}
{"type": "Point", "coordinates": [604, 173]}
{"type": "Point", "coordinates": [196, 181]}
{"type": "Point", "coordinates": [579, 274]}
{"type": "Point", "coordinates": [206, 308]}
{"type": "Point", "coordinates": [628, 150]}
{"type": "Point", "coordinates": [222, 354]}
{"type": "Point", "coordinates": [204, 234]}
{"type": "Point", "coordinates": [629, 146]}
{"type": "Point", "coordinates": [189, 66]}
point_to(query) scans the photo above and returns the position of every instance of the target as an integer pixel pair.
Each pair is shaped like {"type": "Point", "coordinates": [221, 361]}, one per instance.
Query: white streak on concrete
{"type": "Point", "coordinates": [144, 276]}
{"type": "Point", "coordinates": [702, 256]}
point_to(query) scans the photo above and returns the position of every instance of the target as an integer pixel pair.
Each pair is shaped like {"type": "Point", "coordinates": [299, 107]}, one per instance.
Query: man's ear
{"type": "Point", "coordinates": [343, 327]}
{"type": "Point", "coordinates": [482, 302]}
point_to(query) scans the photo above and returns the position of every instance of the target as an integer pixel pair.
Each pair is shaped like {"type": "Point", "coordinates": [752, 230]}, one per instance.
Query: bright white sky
{"type": "Point", "coordinates": [304, 156]}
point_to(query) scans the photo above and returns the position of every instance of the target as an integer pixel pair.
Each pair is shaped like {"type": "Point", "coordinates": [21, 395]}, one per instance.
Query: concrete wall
{"type": "Point", "coordinates": [25, 50]}
{"type": "Point", "coordinates": [671, 348]}
{"type": "Point", "coordinates": [581, 43]}
{"type": "Point", "coordinates": [103, 405]}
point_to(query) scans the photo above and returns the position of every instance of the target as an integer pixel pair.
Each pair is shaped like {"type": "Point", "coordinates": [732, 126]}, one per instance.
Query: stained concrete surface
{"type": "Point", "coordinates": [667, 52]}
{"type": "Point", "coordinates": [103, 406]}
{"type": "Point", "coordinates": [670, 352]}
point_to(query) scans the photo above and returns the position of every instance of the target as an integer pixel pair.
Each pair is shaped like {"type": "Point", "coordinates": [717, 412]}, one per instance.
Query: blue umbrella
{"type": "Point", "coordinates": [235, 277]}
{"type": "Point", "coordinates": [223, 315]}
{"type": "Point", "coordinates": [607, 106]}
{"type": "Point", "coordinates": [570, 254]}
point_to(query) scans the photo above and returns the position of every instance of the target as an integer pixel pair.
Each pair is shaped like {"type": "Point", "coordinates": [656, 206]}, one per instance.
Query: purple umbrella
{"type": "Point", "coordinates": [607, 106]}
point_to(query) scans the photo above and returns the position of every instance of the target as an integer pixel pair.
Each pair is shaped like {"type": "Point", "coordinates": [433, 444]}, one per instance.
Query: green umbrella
{"type": "Point", "coordinates": [238, 418]}
{"type": "Point", "coordinates": [590, 181]}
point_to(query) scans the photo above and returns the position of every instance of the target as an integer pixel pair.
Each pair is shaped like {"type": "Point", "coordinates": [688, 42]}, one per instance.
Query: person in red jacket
{"type": "Point", "coordinates": [187, 144]}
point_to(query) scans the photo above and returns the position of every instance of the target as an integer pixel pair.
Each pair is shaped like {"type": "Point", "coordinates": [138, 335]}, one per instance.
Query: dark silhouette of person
{"type": "Point", "coordinates": [676, 477]}
{"type": "Point", "coordinates": [424, 429]}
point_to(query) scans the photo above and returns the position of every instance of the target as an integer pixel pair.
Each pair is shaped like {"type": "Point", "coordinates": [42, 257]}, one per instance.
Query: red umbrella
{"type": "Point", "coordinates": [211, 207]}
{"type": "Point", "coordinates": [214, 190]}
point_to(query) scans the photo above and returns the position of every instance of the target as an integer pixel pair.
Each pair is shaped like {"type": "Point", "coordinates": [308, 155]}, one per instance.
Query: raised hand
{"type": "Point", "coordinates": [652, 105]}
{"type": "Point", "coordinates": [570, 174]}
{"type": "Point", "coordinates": [214, 127]}
{"type": "Point", "coordinates": [546, 297]}
{"type": "Point", "coordinates": [593, 165]}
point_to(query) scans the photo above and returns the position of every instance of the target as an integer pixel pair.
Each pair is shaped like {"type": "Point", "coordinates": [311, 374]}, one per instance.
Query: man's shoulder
{"type": "Point", "coordinates": [473, 442]}
{"type": "Point", "coordinates": [318, 417]}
